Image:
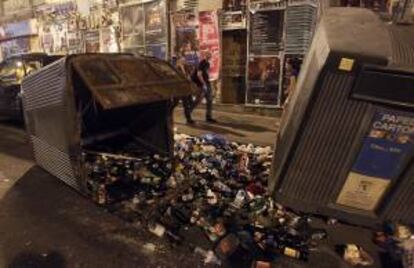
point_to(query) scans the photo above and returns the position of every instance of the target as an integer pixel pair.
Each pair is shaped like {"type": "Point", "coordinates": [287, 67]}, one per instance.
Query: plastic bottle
{"type": "Point", "coordinates": [209, 256]}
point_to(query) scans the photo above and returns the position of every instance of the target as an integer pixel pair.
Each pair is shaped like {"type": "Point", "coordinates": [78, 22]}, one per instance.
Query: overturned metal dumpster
{"type": "Point", "coordinates": [96, 120]}
{"type": "Point", "coordinates": [346, 144]}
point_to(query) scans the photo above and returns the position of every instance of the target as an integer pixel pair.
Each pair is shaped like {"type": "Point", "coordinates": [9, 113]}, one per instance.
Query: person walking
{"type": "Point", "coordinates": [187, 101]}
{"type": "Point", "coordinates": [201, 78]}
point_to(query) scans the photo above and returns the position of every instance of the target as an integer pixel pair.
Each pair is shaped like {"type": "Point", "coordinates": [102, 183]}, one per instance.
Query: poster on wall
{"type": "Point", "coordinates": [263, 81]}
{"type": "Point", "coordinates": [291, 67]}
{"type": "Point", "coordinates": [267, 4]}
{"type": "Point", "coordinates": [60, 44]}
{"type": "Point", "coordinates": [235, 20]}
{"type": "Point", "coordinates": [46, 40]}
{"type": "Point", "coordinates": [186, 39]}
{"type": "Point", "coordinates": [15, 46]}
{"type": "Point", "coordinates": [234, 60]}
{"type": "Point", "coordinates": [75, 42]}
{"type": "Point", "coordinates": [144, 28]}
{"type": "Point", "coordinates": [108, 40]}
{"type": "Point", "coordinates": [266, 32]}
{"type": "Point", "coordinates": [132, 23]}
{"type": "Point", "coordinates": [385, 152]}
{"type": "Point", "coordinates": [17, 29]}
{"type": "Point", "coordinates": [92, 41]}
{"type": "Point", "coordinates": [232, 5]}
{"type": "Point", "coordinates": [11, 7]}
{"type": "Point", "coordinates": [210, 40]}
{"type": "Point", "coordinates": [155, 22]}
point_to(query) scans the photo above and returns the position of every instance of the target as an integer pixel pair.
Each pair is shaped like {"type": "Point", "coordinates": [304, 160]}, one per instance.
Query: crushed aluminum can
{"type": "Point", "coordinates": [402, 232]}
{"type": "Point", "coordinates": [157, 229]}
{"type": "Point", "coordinates": [211, 197]}
{"type": "Point", "coordinates": [244, 163]}
{"type": "Point", "coordinates": [332, 221]}
{"type": "Point", "coordinates": [209, 256]}
{"type": "Point", "coordinates": [319, 234]}
{"type": "Point", "coordinates": [219, 229]}
{"type": "Point", "coordinates": [355, 255]}
{"type": "Point", "coordinates": [240, 199]}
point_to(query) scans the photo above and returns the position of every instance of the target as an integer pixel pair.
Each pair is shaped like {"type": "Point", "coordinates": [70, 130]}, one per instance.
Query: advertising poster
{"type": "Point", "coordinates": [155, 22]}
{"type": "Point", "coordinates": [230, 5]}
{"type": "Point", "coordinates": [75, 42]}
{"type": "Point", "coordinates": [266, 4]}
{"type": "Point", "coordinates": [22, 28]}
{"type": "Point", "coordinates": [46, 40]}
{"type": "Point", "coordinates": [15, 46]}
{"type": "Point", "coordinates": [144, 28]}
{"type": "Point", "coordinates": [210, 40]}
{"type": "Point", "coordinates": [11, 7]}
{"type": "Point", "coordinates": [266, 32]}
{"type": "Point", "coordinates": [186, 41]}
{"type": "Point", "coordinates": [60, 44]}
{"type": "Point", "coordinates": [235, 20]}
{"type": "Point", "coordinates": [234, 60]}
{"type": "Point", "coordinates": [92, 41]}
{"type": "Point", "coordinates": [291, 67]}
{"type": "Point", "coordinates": [385, 152]}
{"type": "Point", "coordinates": [132, 23]}
{"type": "Point", "coordinates": [263, 81]}
{"type": "Point", "coordinates": [108, 40]}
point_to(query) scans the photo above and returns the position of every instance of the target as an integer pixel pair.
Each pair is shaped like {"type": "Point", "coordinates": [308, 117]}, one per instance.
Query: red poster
{"type": "Point", "coordinates": [210, 40]}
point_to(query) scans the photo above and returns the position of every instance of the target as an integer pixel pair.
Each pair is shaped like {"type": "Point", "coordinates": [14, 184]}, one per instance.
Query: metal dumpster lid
{"type": "Point", "coordinates": [120, 80]}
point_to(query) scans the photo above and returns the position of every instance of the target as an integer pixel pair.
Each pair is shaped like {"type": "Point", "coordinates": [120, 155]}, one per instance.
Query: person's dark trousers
{"type": "Point", "coordinates": [188, 106]}
{"type": "Point", "coordinates": [209, 103]}
{"type": "Point", "coordinates": [208, 94]}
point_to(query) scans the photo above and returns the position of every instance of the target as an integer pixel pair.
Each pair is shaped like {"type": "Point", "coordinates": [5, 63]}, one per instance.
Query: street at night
{"type": "Point", "coordinates": [206, 133]}
{"type": "Point", "coordinates": [57, 227]}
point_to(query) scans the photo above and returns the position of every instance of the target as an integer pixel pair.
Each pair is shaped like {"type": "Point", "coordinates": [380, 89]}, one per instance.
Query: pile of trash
{"type": "Point", "coordinates": [114, 178]}
{"type": "Point", "coordinates": [214, 185]}
{"type": "Point", "coordinates": [398, 240]}
{"type": "Point", "coordinates": [220, 189]}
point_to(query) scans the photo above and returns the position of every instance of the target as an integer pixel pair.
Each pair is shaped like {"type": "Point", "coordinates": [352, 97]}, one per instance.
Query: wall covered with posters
{"type": "Point", "coordinates": [55, 25]}
{"type": "Point", "coordinates": [234, 51]}
{"type": "Point", "coordinates": [18, 37]}
{"type": "Point", "coordinates": [65, 27]}
{"type": "Point", "coordinates": [279, 33]}
{"type": "Point", "coordinates": [249, 39]}
{"type": "Point", "coordinates": [194, 33]}
{"type": "Point", "coordinates": [210, 40]}
{"type": "Point", "coordinates": [266, 32]}
{"type": "Point", "coordinates": [185, 36]}
{"type": "Point", "coordinates": [145, 28]}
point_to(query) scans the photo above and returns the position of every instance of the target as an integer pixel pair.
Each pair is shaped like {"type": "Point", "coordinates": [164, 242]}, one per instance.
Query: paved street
{"type": "Point", "coordinates": [15, 155]}
{"type": "Point", "coordinates": [243, 128]}
{"type": "Point", "coordinates": [44, 223]}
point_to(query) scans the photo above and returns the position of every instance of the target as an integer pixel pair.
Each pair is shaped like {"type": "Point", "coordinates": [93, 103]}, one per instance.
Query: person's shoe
{"type": "Point", "coordinates": [211, 120]}
{"type": "Point", "coordinates": [190, 122]}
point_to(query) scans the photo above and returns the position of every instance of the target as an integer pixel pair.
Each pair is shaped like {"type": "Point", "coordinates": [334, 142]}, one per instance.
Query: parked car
{"type": "Point", "coordinates": [12, 71]}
